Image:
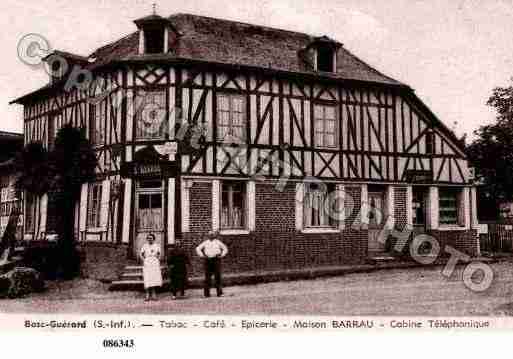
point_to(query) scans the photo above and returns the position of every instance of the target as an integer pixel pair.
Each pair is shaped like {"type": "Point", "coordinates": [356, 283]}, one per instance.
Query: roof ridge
{"type": "Point", "coordinates": [244, 23]}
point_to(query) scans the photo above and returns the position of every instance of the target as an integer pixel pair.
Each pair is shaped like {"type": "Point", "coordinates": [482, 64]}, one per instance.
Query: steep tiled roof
{"type": "Point", "coordinates": [229, 42]}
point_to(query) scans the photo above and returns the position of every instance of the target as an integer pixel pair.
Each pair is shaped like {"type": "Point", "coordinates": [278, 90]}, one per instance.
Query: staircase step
{"type": "Point", "coordinates": [133, 285]}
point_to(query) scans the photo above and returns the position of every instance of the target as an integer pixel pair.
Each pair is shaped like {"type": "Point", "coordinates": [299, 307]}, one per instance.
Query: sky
{"type": "Point", "coordinates": [451, 52]}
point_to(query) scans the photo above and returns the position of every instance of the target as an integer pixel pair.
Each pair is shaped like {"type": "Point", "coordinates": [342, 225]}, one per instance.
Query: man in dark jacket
{"type": "Point", "coordinates": [177, 261]}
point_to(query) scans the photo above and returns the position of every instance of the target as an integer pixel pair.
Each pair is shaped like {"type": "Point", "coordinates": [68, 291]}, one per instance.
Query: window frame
{"type": "Point", "coordinates": [32, 228]}
{"type": "Point", "coordinates": [93, 219]}
{"type": "Point", "coordinates": [98, 116]}
{"type": "Point", "coordinates": [309, 210]}
{"type": "Point", "coordinates": [458, 193]}
{"type": "Point", "coordinates": [323, 50]}
{"type": "Point", "coordinates": [140, 106]}
{"type": "Point", "coordinates": [228, 135]}
{"type": "Point", "coordinates": [245, 209]}
{"type": "Point", "coordinates": [324, 106]}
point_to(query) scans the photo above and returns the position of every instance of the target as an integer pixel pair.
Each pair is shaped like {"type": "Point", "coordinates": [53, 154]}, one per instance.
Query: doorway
{"type": "Point", "coordinates": [149, 214]}
{"type": "Point", "coordinates": [377, 219]}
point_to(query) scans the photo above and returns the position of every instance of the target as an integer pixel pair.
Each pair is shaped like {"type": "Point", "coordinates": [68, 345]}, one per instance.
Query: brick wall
{"type": "Point", "coordinates": [465, 241]}
{"type": "Point", "coordinates": [200, 195]}
{"type": "Point", "coordinates": [276, 244]}
{"type": "Point", "coordinates": [103, 261]}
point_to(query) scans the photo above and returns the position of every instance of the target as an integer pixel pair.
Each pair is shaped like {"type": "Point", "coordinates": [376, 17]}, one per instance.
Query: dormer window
{"type": "Point", "coordinates": [154, 40]}
{"type": "Point", "coordinates": [155, 33]}
{"type": "Point", "coordinates": [321, 54]}
{"type": "Point", "coordinates": [325, 59]}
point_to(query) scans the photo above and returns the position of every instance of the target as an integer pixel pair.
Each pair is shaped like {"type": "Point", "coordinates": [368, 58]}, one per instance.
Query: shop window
{"type": "Point", "coordinates": [94, 205]}
{"type": "Point", "coordinates": [450, 206]}
{"type": "Point", "coordinates": [231, 118]}
{"type": "Point", "coordinates": [317, 211]}
{"type": "Point", "coordinates": [233, 205]}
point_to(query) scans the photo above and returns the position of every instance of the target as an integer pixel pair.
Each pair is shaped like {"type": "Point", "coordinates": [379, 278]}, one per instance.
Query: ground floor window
{"type": "Point", "coordinates": [94, 205]}
{"type": "Point", "coordinates": [317, 209]}
{"type": "Point", "coordinates": [30, 212]}
{"type": "Point", "coordinates": [450, 206]}
{"type": "Point", "coordinates": [419, 195]}
{"type": "Point", "coordinates": [233, 205]}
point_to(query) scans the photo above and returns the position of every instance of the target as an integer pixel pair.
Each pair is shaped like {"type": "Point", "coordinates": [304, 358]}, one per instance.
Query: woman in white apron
{"type": "Point", "coordinates": [150, 255]}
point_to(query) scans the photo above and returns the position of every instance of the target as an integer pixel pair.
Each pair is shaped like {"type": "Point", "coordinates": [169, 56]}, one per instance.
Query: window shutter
{"type": "Point", "coordinates": [216, 191]}
{"type": "Point", "coordinates": [341, 206]}
{"type": "Point", "coordinates": [105, 204]}
{"type": "Point", "coordinates": [300, 195]}
{"type": "Point", "coordinates": [186, 185]}
{"type": "Point", "coordinates": [43, 212]}
{"type": "Point", "coordinates": [83, 207]}
{"type": "Point", "coordinates": [251, 190]}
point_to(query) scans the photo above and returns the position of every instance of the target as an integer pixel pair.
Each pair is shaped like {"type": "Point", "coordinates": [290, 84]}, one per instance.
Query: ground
{"type": "Point", "coordinates": [413, 292]}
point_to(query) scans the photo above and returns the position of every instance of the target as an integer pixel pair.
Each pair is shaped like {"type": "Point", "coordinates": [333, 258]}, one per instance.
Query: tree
{"type": "Point", "coordinates": [33, 174]}
{"type": "Point", "coordinates": [72, 163]}
{"type": "Point", "coordinates": [491, 153]}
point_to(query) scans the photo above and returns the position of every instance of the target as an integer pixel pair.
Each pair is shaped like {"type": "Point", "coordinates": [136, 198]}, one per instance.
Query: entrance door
{"type": "Point", "coordinates": [419, 209]}
{"type": "Point", "coordinates": [376, 222]}
{"type": "Point", "coordinates": [149, 215]}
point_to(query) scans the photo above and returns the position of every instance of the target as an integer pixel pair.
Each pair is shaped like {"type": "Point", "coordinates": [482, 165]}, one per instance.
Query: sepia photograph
{"type": "Point", "coordinates": [335, 162]}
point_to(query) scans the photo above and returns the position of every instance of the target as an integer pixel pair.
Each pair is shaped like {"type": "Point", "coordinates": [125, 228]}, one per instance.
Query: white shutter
{"type": "Point", "coordinates": [185, 188]}
{"type": "Point", "coordinates": [389, 203]}
{"type": "Point", "coordinates": [251, 191]}
{"type": "Point", "coordinates": [216, 190]}
{"type": "Point", "coordinates": [341, 206]}
{"type": "Point", "coordinates": [127, 201]}
{"type": "Point", "coordinates": [171, 211]}
{"type": "Point", "coordinates": [365, 207]}
{"type": "Point", "coordinates": [105, 204]}
{"type": "Point", "coordinates": [83, 207]}
{"type": "Point", "coordinates": [300, 195]}
{"type": "Point", "coordinates": [43, 212]}
{"type": "Point", "coordinates": [409, 206]}
{"type": "Point", "coordinates": [464, 208]}
{"type": "Point", "coordinates": [433, 208]}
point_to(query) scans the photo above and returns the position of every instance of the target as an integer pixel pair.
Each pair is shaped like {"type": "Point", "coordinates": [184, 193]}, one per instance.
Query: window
{"type": "Point", "coordinates": [154, 40]}
{"type": "Point", "coordinates": [151, 114]}
{"type": "Point", "coordinates": [231, 118]}
{"type": "Point", "coordinates": [52, 212]}
{"type": "Point", "coordinates": [149, 217]}
{"type": "Point", "coordinates": [449, 206]}
{"type": "Point", "coordinates": [51, 131]}
{"type": "Point", "coordinates": [325, 126]}
{"type": "Point", "coordinates": [430, 143]}
{"type": "Point", "coordinates": [317, 212]}
{"type": "Point", "coordinates": [94, 205]}
{"type": "Point", "coordinates": [325, 59]}
{"type": "Point", "coordinates": [233, 205]}
{"type": "Point", "coordinates": [30, 212]}
{"type": "Point", "coordinates": [97, 124]}
{"type": "Point", "coordinates": [419, 206]}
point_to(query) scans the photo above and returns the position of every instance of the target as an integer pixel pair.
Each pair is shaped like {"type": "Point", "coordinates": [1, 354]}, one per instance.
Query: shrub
{"type": "Point", "coordinates": [19, 282]}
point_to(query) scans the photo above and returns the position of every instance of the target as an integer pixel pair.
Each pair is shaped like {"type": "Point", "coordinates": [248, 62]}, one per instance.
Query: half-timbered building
{"type": "Point", "coordinates": [204, 124]}
{"type": "Point", "coordinates": [10, 144]}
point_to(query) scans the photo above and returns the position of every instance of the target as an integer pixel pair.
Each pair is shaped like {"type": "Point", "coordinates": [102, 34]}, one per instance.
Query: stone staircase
{"type": "Point", "coordinates": [132, 278]}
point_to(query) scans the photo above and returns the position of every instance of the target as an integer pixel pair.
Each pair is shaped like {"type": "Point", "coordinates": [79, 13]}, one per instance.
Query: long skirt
{"type": "Point", "coordinates": [151, 273]}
